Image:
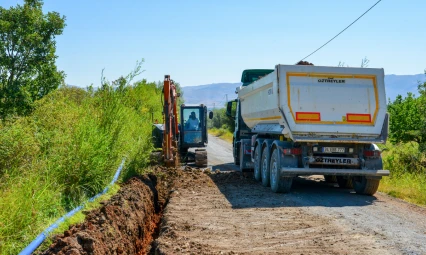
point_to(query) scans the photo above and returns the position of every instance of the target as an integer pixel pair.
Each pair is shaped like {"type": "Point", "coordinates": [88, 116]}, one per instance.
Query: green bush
{"type": "Point", "coordinates": [404, 158]}
{"type": "Point", "coordinates": [221, 120]}
{"type": "Point", "coordinates": [408, 118]}
{"type": "Point", "coordinates": [408, 172]}
{"type": "Point", "coordinates": [67, 150]}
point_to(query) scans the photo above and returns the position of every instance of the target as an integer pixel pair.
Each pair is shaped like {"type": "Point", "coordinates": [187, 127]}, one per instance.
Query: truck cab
{"type": "Point", "coordinates": [233, 109]}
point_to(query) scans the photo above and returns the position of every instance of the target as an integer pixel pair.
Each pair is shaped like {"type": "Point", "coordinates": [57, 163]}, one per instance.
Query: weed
{"type": "Point", "coordinates": [408, 172]}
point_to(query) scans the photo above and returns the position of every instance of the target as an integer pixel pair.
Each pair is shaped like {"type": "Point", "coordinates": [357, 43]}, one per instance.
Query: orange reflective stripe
{"type": "Point", "coordinates": [308, 116]}
{"type": "Point", "coordinates": [355, 117]}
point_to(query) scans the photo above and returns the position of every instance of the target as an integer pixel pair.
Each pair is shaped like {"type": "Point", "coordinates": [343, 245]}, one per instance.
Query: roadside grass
{"type": "Point", "coordinates": [80, 216]}
{"type": "Point", "coordinates": [407, 166]}
{"type": "Point", "coordinates": [68, 150]}
{"type": "Point", "coordinates": [409, 187]}
{"type": "Point", "coordinates": [223, 133]}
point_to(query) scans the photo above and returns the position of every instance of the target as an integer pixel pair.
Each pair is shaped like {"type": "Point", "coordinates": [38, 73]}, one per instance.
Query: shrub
{"type": "Point", "coordinates": [67, 150]}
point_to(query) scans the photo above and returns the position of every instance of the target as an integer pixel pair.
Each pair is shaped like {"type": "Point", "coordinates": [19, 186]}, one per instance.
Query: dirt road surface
{"type": "Point", "coordinates": [227, 212]}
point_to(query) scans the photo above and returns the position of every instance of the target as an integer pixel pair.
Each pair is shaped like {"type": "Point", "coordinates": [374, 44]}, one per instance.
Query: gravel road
{"type": "Point", "coordinates": [229, 213]}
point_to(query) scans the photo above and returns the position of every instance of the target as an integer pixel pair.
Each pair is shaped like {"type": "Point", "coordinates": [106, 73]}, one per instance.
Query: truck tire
{"type": "Point", "coordinates": [278, 184]}
{"type": "Point", "coordinates": [365, 186]}
{"type": "Point", "coordinates": [344, 183]}
{"type": "Point", "coordinates": [264, 166]}
{"type": "Point", "coordinates": [236, 155]}
{"type": "Point", "coordinates": [241, 157]}
{"type": "Point", "coordinates": [257, 175]}
{"type": "Point", "coordinates": [236, 161]}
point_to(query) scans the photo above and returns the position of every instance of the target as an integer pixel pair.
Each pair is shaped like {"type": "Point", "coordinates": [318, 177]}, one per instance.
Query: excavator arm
{"type": "Point", "coordinates": [170, 120]}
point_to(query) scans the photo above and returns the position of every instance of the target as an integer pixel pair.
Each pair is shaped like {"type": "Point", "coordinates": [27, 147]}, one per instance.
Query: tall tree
{"type": "Point", "coordinates": [27, 56]}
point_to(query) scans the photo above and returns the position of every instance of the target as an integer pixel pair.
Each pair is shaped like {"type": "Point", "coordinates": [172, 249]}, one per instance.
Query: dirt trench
{"type": "Point", "coordinates": [125, 224]}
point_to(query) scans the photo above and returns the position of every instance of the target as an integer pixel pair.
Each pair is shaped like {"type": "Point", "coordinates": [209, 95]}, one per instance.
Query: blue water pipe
{"type": "Point", "coordinates": [43, 235]}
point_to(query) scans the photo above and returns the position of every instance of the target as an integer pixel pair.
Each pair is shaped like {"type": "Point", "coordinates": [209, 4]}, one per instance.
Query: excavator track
{"type": "Point", "coordinates": [201, 158]}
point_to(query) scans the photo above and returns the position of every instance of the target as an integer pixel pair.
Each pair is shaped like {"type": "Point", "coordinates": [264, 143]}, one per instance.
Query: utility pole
{"type": "Point", "coordinates": [226, 95]}
{"type": "Point", "coordinates": [213, 105]}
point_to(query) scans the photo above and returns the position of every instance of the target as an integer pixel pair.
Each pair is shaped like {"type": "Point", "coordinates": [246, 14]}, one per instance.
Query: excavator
{"type": "Point", "coordinates": [179, 133]}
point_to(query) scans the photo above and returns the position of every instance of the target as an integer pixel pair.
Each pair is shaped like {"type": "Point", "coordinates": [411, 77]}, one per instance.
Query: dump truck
{"type": "Point", "coordinates": [298, 120]}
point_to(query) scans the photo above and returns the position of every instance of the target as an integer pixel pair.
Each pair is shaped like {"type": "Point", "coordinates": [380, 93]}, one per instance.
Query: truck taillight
{"type": "Point", "coordinates": [372, 154]}
{"type": "Point", "coordinates": [292, 151]}
{"type": "Point", "coordinates": [247, 149]}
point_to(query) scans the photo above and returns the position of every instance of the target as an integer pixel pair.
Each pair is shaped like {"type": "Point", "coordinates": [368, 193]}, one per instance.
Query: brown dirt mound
{"type": "Point", "coordinates": [123, 225]}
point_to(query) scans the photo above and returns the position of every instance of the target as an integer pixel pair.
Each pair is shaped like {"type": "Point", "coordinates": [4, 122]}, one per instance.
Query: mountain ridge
{"type": "Point", "coordinates": [214, 95]}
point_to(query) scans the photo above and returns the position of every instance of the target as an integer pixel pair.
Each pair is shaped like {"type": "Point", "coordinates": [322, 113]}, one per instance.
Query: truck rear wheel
{"type": "Point", "coordinates": [242, 157]}
{"type": "Point", "coordinates": [257, 175]}
{"type": "Point", "coordinates": [278, 184]}
{"type": "Point", "coordinates": [365, 186]}
{"type": "Point", "coordinates": [265, 166]}
{"type": "Point", "coordinates": [236, 155]}
{"type": "Point", "coordinates": [344, 182]}
{"type": "Point", "coordinates": [236, 161]}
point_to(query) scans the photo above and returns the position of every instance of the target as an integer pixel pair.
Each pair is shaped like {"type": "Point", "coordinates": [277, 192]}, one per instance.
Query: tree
{"type": "Point", "coordinates": [408, 118]}
{"type": "Point", "coordinates": [221, 120]}
{"type": "Point", "coordinates": [27, 56]}
{"type": "Point", "coordinates": [405, 120]}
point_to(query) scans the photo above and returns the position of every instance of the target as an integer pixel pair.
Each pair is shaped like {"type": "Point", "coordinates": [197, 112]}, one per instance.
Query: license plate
{"type": "Point", "coordinates": [333, 149]}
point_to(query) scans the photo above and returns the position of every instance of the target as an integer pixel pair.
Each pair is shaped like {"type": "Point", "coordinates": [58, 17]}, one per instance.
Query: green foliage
{"type": "Point", "coordinates": [221, 120]}
{"type": "Point", "coordinates": [178, 90]}
{"type": "Point", "coordinates": [408, 118]}
{"type": "Point", "coordinates": [405, 157]}
{"type": "Point", "coordinates": [407, 165]}
{"type": "Point", "coordinates": [405, 122]}
{"type": "Point", "coordinates": [27, 56]}
{"type": "Point", "coordinates": [67, 150]}
{"type": "Point", "coordinates": [223, 133]}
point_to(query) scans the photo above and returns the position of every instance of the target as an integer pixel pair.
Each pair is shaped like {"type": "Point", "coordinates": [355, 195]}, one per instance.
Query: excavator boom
{"type": "Point", "coordinates": [170, 120]}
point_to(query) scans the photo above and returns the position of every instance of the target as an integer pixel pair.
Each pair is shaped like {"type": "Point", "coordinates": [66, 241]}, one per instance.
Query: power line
{"type": "Point", "coordinates": [342, 30]}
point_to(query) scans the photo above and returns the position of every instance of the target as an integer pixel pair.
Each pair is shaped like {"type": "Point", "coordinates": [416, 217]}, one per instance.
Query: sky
{"type": "Point", "coordinates": [203, 42]}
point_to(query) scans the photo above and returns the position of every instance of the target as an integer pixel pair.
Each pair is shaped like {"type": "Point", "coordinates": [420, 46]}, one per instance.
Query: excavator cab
{"type": "Point", "coordinates": [193, 126]}
{"type": "Point", "coordinates": [193, 133]}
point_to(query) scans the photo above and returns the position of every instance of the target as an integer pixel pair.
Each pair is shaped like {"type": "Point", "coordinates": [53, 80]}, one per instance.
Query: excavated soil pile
{"type": "Point", "coordinates": [126, 223]}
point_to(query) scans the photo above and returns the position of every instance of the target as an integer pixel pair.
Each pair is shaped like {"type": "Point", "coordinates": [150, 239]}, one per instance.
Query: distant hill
{"type": "Point", "coordinates": [214, 95]}
{"type": "Point", "coordinates": [402, 84]}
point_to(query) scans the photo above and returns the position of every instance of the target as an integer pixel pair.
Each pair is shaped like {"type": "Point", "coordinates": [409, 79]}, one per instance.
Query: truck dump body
{"type": "Point", "coordinates": [318, 104]}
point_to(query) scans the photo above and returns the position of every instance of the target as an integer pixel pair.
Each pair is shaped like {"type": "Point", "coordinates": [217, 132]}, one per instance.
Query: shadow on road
{"type": "Point", "coordinates": [225, 167]}
{"type": "Point", "coordinates": [243, 192]}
